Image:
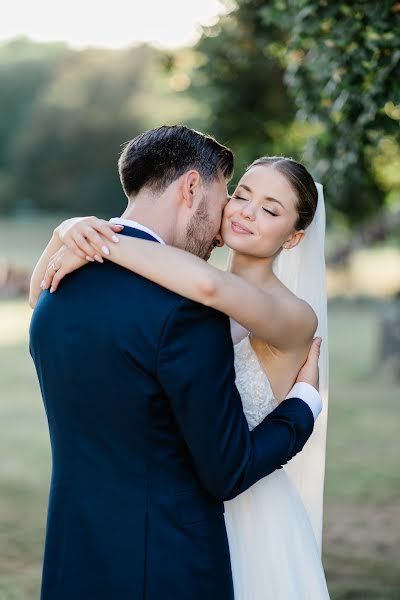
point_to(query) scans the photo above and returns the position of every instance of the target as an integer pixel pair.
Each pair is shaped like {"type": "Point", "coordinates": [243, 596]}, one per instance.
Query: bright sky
{"type": "Point", "coordinates": [114, 24]}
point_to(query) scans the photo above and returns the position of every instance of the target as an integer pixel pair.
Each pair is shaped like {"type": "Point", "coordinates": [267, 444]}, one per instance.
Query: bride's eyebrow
{"type": "Point", "coordinates": [246, 187]}
{"type": "Point", "coordinates": [275, 200]}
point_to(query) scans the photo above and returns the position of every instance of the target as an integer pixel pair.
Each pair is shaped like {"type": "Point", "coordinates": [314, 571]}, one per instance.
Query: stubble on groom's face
{"type": "Point", "coordinates": [199, 233]}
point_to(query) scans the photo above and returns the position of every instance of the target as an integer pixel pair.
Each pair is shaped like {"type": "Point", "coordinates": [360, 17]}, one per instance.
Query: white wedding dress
{"type": "Point", "coordinates": [274, 552]}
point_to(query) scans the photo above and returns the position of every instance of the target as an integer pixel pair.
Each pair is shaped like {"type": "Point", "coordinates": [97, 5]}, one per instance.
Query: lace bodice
{"type": "Point", "coordinates": [268, 525]}
{"type": "Point", "coordinates": [253, 385]}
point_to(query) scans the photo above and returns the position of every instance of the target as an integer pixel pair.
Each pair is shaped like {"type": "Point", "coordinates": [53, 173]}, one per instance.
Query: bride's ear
{"type": "Point", "coordinates": [294, 239]}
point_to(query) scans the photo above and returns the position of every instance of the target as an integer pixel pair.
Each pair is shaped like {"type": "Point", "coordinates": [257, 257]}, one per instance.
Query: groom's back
{"type": "Point", "coordinates": [94, 343]}
{"type": "Point", "coordinates": [120, 463]}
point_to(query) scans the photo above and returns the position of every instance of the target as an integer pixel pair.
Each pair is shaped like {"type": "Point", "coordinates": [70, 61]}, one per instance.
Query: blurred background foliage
{"type": "Point", "coordinates": [317, 81]}
{"type": "Point", "coordinates": [342, 66]}
{"type": "Point", "coordinates": [65, 114]}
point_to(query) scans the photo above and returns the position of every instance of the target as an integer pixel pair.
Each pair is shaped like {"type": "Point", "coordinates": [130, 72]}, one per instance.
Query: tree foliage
{"type": "Point", "coordinates": [240, 85]}
{"type": "Point", "coordinates": [343, 69]}
{"type": "Point", "coordinates": [64, 115]}
{"type": "Point", "coordinates": [341, 63]}
{"type": "Point", "coordinates": [25, 69]}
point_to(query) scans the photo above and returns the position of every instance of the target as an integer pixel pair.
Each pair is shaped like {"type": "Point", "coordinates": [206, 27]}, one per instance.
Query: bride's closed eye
{"type": "Point", "coordinates": [236, 197]}
{"type": "Point", "coordinates": [270, 212]}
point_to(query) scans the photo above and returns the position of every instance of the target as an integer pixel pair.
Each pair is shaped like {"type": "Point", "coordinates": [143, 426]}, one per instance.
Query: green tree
{"type": "Point", "coordinates": [240, 85]}
{"type": "Point", "coordinates": [68, 154]}
{"type": "Point", "coordinates": [64, 116]}
{"type": "Point", "coordinates": [342, 65]}
{"type": "Point", "coordinates": [26, 68]}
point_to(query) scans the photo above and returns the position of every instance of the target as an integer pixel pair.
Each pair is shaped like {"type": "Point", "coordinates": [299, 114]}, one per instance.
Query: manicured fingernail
{"type": "Point", "coordinates": [90, 258]}
{"type": "Point", "coordinates": [51, 290]}
{"type": "Point", "coordinates": [105, 250]}
{"type": "Point", "coordinates": [98, 258]}
{"type": "Point", "coordinates": [115, 239]}
{"type": "Point", "coordinates": [42, 285]}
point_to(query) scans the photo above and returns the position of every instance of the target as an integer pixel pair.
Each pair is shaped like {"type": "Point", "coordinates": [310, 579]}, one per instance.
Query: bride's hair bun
{"type": "Point", "coordinates": [300, 180]}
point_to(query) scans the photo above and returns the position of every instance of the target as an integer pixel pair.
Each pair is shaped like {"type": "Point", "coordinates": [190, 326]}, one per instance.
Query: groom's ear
{"type": "Point", "coordinates": [190, 187]}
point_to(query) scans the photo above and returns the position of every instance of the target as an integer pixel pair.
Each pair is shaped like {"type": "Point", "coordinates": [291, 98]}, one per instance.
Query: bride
{"type": "Point", "coordinates": [274, 225]}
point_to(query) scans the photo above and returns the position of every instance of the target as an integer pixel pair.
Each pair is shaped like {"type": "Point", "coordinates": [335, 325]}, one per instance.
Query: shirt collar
{"type": "Point", "coordinates": [136, 225]}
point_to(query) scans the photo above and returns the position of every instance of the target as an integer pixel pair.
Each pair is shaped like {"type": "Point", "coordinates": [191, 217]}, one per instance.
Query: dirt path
{"type": "Point", "coordinates": [362, 550]}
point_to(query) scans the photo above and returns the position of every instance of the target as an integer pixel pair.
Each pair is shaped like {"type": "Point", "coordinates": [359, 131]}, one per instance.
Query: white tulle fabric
{"type": "Point", "coordinates": [302, 270]}
{"type": "Point", "coordinates": [274, 553]}
{"type": "Point", "coordinates": [274, 528]}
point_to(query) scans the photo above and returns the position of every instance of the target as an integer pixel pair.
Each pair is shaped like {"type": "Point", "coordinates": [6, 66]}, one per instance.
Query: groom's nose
{"type": "Point", "coordinates": [218, 241]}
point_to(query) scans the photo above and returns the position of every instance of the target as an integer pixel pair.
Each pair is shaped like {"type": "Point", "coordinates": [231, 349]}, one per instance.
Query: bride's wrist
{"type": "Point", "coordinates": [56, 232]}
{"type": "Point", "coordinates": [56, 239]}
{"type": "Point", "coordinates": [64, 226]}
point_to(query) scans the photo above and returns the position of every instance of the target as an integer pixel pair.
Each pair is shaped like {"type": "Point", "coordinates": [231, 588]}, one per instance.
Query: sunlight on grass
{"type": "Point", "coordinates": [15, 317]}
{"type": "Point", "coordinates": [362, 479]}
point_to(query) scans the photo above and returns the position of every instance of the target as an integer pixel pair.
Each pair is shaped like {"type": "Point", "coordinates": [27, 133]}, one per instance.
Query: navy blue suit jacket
{"type": "Point", "coordinates": [148, 438]}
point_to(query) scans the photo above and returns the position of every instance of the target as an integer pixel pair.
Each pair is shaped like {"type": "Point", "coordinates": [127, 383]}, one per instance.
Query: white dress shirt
{"type": "Point", "coordinates": [302, 390]}
{"type": "Point", "coordinates": [309, 395]}
{"type": "Point", "coordinates": [135, 225]}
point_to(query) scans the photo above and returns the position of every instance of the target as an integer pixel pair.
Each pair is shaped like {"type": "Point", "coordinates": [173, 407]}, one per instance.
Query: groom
{"type": "Point", "coordinates": [147, 430]}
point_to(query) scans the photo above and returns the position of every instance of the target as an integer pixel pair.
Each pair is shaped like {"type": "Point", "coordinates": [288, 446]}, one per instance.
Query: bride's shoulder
{"type": "Point", "coordinates": [309, 316]}
{"type": "Point", "coordinates": [303, 317]}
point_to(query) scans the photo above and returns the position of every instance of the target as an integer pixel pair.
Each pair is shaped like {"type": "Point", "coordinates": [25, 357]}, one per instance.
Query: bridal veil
{"type": "Point", "coordinates": [302, 270]}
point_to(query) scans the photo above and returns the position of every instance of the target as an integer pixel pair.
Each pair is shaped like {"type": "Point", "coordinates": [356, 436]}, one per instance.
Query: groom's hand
{"type": "Point", "coordinates": [309, 372]}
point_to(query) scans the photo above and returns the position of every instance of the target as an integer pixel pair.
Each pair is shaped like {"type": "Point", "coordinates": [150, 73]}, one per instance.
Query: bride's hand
{"type": "Point", "coordinates": [81, 236]}
{"type": "Point", "coordinates": [63, 262]}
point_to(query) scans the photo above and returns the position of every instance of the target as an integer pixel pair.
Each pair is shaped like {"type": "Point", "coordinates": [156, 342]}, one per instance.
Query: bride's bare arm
{"type": "Point", "coordinates": [40, 269]}
{"type": "Point", "coordinates": [56, 243]}
{"type": "Point", "coordinates": [281, 321]}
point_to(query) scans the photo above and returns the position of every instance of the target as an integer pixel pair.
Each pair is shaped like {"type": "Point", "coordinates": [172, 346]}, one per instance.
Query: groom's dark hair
{"type": "Point", "coordinates": [159, 156]}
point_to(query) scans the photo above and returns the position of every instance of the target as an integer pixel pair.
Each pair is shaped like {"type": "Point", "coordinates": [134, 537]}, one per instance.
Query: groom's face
{"type": "Point", "coordinates": [203, 230]}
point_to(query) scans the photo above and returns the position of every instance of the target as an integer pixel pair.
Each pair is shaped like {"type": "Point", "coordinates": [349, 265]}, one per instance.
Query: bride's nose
{"type": "Point", "coordinates": [248, 212]}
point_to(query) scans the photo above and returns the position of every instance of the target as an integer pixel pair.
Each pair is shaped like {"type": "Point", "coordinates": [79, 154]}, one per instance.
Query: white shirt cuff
{"type": "Point", "coordinates": [309, 395]}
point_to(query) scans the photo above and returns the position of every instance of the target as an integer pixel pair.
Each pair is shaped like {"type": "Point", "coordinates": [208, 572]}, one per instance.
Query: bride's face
{"type": "Point", "coordinates": [260, 217]}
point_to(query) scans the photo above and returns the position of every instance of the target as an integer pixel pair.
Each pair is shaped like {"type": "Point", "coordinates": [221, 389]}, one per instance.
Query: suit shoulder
{"type": "Point", "coordinates": [185, 306]}
{"type": "Point", "coordinates": [185, 315]}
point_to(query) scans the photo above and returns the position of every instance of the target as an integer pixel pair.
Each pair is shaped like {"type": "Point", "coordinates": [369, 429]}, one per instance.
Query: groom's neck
{"type": "Point", "coordinates": [151, 213]}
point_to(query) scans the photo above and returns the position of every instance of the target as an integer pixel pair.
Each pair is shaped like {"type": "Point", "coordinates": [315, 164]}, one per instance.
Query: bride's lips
{"type": "Point", "coordinates": [237, 228]}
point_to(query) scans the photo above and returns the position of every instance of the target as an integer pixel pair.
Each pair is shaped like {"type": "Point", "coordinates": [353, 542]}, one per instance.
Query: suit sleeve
{"type": "Point", "coordinates": [196, 370]}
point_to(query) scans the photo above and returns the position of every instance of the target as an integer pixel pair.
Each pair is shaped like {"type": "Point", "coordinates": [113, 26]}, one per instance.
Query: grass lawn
{"type": "Point", "coordinates": [23, 240]}
{"type": "Point", "coordinates": [362, 514]}
{"type": "Point", "coordinates": [362, 491]}
{"type": "Point", "coordinates": [362, 484]}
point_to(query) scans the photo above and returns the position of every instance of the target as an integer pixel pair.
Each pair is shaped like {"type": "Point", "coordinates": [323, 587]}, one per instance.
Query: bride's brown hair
{"type": "Point", "coordinates": [300, 180]}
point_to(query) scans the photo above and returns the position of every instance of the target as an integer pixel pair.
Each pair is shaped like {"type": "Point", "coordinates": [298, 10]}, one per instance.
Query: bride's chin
{"type": "Point", "coordinates": [234, 243]}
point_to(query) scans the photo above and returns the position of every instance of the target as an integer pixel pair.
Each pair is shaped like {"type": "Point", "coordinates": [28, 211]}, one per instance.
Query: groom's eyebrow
{"type": "Point", "coordinates": [246, 187]}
